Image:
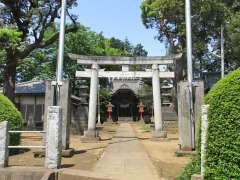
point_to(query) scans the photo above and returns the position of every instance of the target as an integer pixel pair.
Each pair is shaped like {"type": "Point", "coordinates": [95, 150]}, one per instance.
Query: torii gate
{"type": "Point", "coordinates": [95, 73]}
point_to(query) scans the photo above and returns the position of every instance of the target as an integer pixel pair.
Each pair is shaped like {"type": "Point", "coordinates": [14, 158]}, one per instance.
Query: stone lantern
{"type": "Point", "coordinates": [141, 110]}
{"type": "Point", "coordinates": [109, 111]}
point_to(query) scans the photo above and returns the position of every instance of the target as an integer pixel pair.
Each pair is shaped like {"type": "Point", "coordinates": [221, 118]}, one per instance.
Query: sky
{"type": "Point", "coordinates": [120, 19]}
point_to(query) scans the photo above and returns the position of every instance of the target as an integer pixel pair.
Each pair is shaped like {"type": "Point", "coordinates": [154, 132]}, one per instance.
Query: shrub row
{"type": "Point", "coordinates": [8, 112]}
{"type": "Point", "coordinates": [223, 138]}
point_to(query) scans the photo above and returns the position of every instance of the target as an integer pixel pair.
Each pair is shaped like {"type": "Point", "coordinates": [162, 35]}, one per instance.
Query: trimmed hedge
{"type": "Point", "coordinates": [8, 112]}
{"type": "Point", "coordinates": [223, 139]}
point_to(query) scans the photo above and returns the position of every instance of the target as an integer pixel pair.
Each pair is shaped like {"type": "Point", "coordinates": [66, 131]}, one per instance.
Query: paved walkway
{"type": "Point", "coordinates": [125, 158]}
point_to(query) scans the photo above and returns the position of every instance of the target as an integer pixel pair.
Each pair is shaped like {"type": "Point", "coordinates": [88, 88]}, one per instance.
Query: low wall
{"type": "Point", "coordinates": [20, 173]}
{"type": "Point", "coordinates": [39, 173]}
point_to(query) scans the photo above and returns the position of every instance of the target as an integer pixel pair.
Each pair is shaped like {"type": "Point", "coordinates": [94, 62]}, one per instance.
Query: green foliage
{"type": "Point", "coordinates": [9, 38]}
{"type": "Point", "coordinates": [105, 98]}
{"type": "Point", "coordinates": [223, 139]}
{"type": "Point", "coordinates": [168, 18]}
{"type": "Point", "coordinates": [8, 112]}
{"type": "Point", "coordinates": [139, 50]}
{"type": "Point", "coordinates": [27, 23]}
{"type": "Point", "coordinates": [41, 63]}
{"type": "Point", "coordinates": [233, 39]}
{"type": "Point", "coordinates": [146, 128]}
{"type": "Point", "coordinates": [192, 168]}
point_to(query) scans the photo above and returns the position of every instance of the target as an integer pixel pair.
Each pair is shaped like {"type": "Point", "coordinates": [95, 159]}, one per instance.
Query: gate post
{"type": "Point", "coordinates": [184, 124]}
{"type": "Point", "coordinates": [65, 103]}
{"type": "Point", "coordinates": [4, 141]}
{"type": "Point", "coordinates": [158, 133]}
{"type": "Point", "coordinates": [204, 126]}
{"type": "Point", "coordinates": [91, 133]}
{"type": "Point", "coordinates": [53, 137]}
{"type": "Point", "coordinates": [184, 116]}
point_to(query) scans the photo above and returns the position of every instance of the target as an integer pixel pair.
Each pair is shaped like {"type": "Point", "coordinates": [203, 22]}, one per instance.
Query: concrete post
{"type": "Point", "coordinates": [4, 141]}
{"type": "Point", "coordinates": [198, 87]}
{"type": "Point", "coordinates": [53, 137]}
{"type": "Point", "coordinates": [184, 125]}
{"type": "Point", "coordinates": [204, 127]}
{"type": "Point", "coordinates": [159, 133]}
{"type": "Point", "coordinates": [91, 131]}
{"type": "Point", "coordinates": [65, 103]}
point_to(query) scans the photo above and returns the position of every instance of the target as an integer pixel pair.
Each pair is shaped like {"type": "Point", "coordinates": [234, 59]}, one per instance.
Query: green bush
{"type": "Point", "coordinates": [223, 139]}
{"type": "Point", "coordinates": [8, 112]}
{"type": "Point", "coordinates": [192, 168]}
{"type": "Point", "coordinates": [223, 144]}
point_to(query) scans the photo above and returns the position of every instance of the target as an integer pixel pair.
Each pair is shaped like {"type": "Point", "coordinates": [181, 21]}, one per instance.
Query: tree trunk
{"type": "Point", "coordinates": [10, 79]}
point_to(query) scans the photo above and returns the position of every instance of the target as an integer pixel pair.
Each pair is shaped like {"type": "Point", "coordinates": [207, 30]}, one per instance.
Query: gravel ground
{"type": "Point", "coordinates": [86, 156]}
{"type": "Point", "coordinates": [162, 153]}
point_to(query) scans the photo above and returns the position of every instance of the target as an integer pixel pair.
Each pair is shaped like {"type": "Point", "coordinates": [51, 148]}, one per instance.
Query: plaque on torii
{"type": "Point", "coordinates": [123, 74]}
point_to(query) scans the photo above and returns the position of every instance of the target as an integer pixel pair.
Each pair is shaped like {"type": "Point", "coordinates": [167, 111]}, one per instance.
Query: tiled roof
{"type": "Point", "coordinates": [31, 87]}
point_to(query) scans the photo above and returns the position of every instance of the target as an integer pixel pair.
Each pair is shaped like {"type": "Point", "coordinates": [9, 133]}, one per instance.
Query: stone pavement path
{"type": "Point", "coordinates": [125, 158]}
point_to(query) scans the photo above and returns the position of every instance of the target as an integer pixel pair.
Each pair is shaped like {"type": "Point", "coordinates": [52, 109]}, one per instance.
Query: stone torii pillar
{"type": "Point", "coordinates": [158, 121]}
{"type": "Point", "coordinates": [91, 132]}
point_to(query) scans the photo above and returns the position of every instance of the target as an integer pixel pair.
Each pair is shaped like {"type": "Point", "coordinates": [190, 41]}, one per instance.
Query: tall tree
{"type": "Point", "coordinates": [139, 50]}
{"type": "Point", "coordinates": [40, 64]}
{"type": "Point", "coordinates": [168, 17]}
{"type": "Point", "coordinates": [29, 19]}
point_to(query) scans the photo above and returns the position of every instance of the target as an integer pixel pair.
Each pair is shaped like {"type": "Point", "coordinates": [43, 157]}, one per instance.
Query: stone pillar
{"type": "Point", "coordinates": [204, 126]}
{"type": "Point", "coordinates": [158, 133]}
{"type": "Point", "coordinates": [198, 101]}
{"type": "Point", "coordinates": [184, 124]}
{"type": "Point", "coordinates": [53, 137]}
{"type": "Point", "coordinates": [65, 103]}
{"type": "Point", "coordinates": [91, 131]}
{"type": "Point", "coordinates": [4, 141]}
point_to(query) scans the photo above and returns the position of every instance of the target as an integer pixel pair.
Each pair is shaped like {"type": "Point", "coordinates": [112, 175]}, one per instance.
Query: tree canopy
{"type": "Point", "coordinates": [41, 63]}
{"type": "Point", "coordinates": [25, 24]}
{"type": "Point", "coordinates": [168, 17]}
